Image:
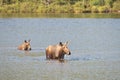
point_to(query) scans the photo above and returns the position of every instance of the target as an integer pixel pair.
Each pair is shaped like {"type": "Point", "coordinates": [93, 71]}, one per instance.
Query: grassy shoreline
{"type": "Point", "coordinates": [60, 6]}
{"type": "Point", "coordinates": [59, 15]}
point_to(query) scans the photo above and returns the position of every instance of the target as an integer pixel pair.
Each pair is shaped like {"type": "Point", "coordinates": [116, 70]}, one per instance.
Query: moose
{"type": "Point", "coordinates": [57, 51]}
{"type": "Point", "coordinates": [25, 46]}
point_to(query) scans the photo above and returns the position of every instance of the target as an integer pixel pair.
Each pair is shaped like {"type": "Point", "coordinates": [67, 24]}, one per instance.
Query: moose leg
{"type": "Point", "coordinates": [47, 56]}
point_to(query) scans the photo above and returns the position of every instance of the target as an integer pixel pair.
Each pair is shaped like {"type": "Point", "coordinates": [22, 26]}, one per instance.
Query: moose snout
{"type": "Point", "coordinates": [30, 49]}
{"type": "Point", "coordinates": [69, 53]}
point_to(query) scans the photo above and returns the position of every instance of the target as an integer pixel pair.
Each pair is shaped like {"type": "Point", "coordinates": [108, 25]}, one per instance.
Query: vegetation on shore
{"type": "Point", "coordinates": [59, 6]}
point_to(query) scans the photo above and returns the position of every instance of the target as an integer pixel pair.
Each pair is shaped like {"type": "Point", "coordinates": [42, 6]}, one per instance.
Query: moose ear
{"type": "Point", "coordinates": [61, 43]}
{"type": "Point", "coordinates": [66, 43]}
{"type": "Point", "coordinates": [25, 41]}
{"type": "Point", "coordinates": [29, 40]}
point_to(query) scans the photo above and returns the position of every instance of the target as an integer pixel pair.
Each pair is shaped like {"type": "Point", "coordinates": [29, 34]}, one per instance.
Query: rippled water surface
{"type": "Point", "coordinates": [94, 43]}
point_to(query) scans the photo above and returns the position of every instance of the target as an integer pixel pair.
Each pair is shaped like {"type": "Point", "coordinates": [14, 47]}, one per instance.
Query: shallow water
{"type": "Point", "coordinates": [94, 43]}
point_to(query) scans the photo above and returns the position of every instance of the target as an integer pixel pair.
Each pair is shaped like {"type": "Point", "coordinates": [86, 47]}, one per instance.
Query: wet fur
{"type": "Point", "coordinates": [25, 46]}
{"type": "Point", "coordinates": [55, 51]}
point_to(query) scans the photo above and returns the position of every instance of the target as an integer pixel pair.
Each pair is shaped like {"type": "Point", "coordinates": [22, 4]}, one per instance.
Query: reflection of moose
{"type": "Point", "coordinates": [57, 51]}
{"type": "Point", "coordinates": [25, 46]}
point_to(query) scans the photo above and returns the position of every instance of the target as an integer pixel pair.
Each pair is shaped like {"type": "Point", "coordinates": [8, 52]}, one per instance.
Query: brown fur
{"type": "Point", "coordinates": [25, 46]}
{"type": "Point", "coordinates": [57, 51]}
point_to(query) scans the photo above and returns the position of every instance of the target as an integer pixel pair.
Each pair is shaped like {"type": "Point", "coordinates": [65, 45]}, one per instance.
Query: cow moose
{"type": "Point", "coordinates": [57, 51]}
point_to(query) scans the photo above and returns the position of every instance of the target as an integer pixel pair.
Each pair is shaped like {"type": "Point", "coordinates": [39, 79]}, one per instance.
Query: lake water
{"type": "Point", "coordinates": [94, 43]}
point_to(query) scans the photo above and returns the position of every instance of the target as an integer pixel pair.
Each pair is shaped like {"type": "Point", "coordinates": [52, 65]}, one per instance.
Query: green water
{"type": "Point", "coordinates": [65, 15]}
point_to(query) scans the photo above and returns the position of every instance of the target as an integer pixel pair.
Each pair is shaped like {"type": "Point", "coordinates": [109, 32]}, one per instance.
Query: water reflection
{"type": "Point", "coordinates": [27, 53]}
{"type": "Point", "coordinates": [57, 61]}
{"type": "Point", "coordinates": [64, 15]}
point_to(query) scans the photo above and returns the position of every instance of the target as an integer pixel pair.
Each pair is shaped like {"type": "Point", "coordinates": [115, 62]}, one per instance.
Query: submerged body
{"type": "Point", "coordinates": [25, 46]}
{"type": "Point", "coordinates": [57, 51]}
